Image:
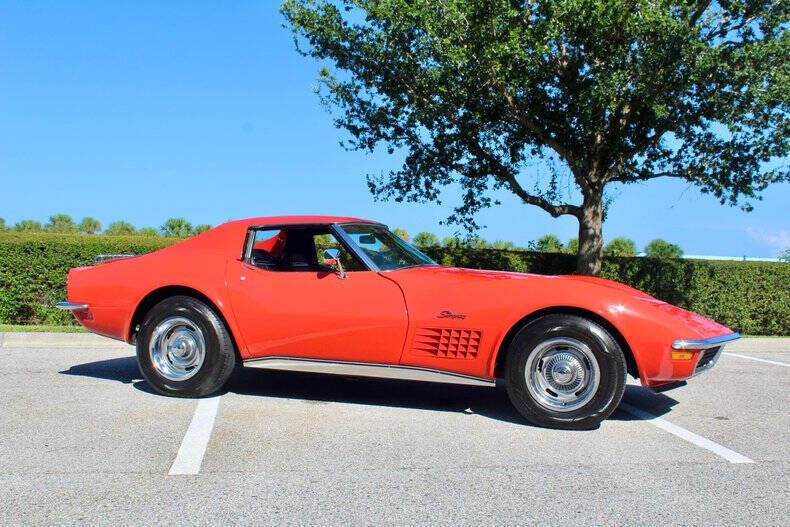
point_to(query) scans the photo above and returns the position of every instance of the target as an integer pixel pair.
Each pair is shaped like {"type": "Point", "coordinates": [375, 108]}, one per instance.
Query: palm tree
{"type": "Point", "coordinates": [28, 226]}
{"type": "Point", "coordinates": [60, 223]}
{"type": "Point", "coordinates": [120, 228]}
{"type": "Point", "coordinates": [89, 225]}
{"type": "Point", "coordinates": [177, 228]}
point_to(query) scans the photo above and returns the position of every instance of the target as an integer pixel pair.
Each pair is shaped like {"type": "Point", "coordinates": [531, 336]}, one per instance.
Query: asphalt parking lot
{"type": "Point", "coordinates": [84, 440]}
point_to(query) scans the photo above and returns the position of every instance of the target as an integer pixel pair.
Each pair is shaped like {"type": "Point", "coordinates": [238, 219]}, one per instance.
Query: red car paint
{"type": "Point", "coordinates": [378, 317]}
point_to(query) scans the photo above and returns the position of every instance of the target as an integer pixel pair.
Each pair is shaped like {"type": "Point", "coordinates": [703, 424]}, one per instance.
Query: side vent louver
{"type": "Point", "coordinates": [447, 342]}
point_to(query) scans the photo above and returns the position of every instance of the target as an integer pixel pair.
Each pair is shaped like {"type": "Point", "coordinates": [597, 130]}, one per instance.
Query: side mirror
{"type": "Point", "coordinates": [332, 259]}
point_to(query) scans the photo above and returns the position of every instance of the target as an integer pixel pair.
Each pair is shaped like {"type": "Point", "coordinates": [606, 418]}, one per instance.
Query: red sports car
{"type": "Point", "coordinates": [347, 296]}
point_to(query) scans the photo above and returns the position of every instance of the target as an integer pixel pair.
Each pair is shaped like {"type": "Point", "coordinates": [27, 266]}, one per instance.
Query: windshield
{"type": "Point", "coordinates": [387, 250]}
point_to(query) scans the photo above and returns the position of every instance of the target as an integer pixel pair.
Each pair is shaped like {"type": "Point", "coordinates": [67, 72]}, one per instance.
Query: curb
{"type": "Point", "coordinates": [59, 340]}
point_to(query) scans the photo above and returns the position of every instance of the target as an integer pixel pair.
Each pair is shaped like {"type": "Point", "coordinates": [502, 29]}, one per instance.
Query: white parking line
{"type": "Point", "coordinates": [193, 447]}
{"type": "Point", "coordinates": [691, 437]}
{"type": "Point", "coordinates": [758, 360]}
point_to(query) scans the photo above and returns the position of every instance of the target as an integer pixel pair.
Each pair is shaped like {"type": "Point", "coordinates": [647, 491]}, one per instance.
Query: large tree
{"type": "Point", "coordinates": [530, 95]}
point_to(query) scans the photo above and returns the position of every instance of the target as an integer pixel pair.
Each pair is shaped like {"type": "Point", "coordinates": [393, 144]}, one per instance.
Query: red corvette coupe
{"type": "Point", "coordinates": [347, 296]}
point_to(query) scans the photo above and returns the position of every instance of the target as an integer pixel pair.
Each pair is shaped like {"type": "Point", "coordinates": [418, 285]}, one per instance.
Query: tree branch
{"type": "Point", "coordinates": [528, 123]}
{"type": "Point", "coordinates": [554, 210]}
{"type": "Point", "coordinates": [502, 173]}
{"type": "Point", "coordinates": [698, 11]}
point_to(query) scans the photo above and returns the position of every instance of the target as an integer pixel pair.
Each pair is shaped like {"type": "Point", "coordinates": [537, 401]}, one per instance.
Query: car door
{"type": "Point", "coordinates": [301, 311]}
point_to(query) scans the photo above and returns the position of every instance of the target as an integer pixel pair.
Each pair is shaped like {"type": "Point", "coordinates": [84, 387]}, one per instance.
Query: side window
{"type": "Point", "coordinates": [267, 247]}
{"type": "Point", "coordinates": [298, 249]}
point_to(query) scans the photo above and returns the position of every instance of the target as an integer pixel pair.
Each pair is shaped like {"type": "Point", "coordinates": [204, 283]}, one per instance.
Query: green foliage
{"type": "Point", "coordinates": [203, 227]}
{"type": "Point", "coordinates": [573, 246]}
{"type": "Point", "coordinates": [177, 227]}
{"type": "Point", "coordinates": [89, 225]}
{"type": "Point", "coordinates": [28, 226]}
{"type": "Point", "coordinates": [148, 231]}
{"type": "Point", "coordinates": [120, 228]}
{"type": "Point", "coordinates": [620, 247]}
{"type": "Point", "coordinates": [663, 249]}
{"type": "Point", "coordinates": [503, 246]}
{"type": "Point", "coordinates": [452, 242]}
{"type": "Point", "coordinates": [426, 239]}
{"type": "Point", "coordinates": [549, 244]}
{"type": "Point", "coordinates": [476, 243]}
{"type": "Point", "coordinates": [751, 297]}
{"type": "Point", "coordinates": [61, 223]}
{"type": "Point", "coordinates": [3, 227]}
{"type": "Point", "coordinates": [476, 93]}
{"type": "Point", "coordinates": [402, 233]}
{"type": "Point", "coordinates": [33, 269]}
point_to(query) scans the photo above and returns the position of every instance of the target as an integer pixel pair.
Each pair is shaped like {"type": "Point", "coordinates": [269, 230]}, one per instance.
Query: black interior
{"type": "Point", "coordinates": [298, 254]}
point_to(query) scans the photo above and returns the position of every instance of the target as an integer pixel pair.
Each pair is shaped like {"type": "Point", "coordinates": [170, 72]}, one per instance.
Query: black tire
{"type": "Point", "coordinates": [219, 354]}
{"type": "Point", "coordinates": [558, 330]}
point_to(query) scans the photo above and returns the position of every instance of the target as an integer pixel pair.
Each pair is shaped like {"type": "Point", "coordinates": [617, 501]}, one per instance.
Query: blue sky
{"type": "Point", "coordinates": [147, 110]}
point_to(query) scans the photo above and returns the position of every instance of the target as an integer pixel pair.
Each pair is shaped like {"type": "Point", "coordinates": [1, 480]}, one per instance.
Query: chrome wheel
{"type": "Point", "coordinates": [562, 374]}
{"type": "Point", "coordinates": [177, 348]}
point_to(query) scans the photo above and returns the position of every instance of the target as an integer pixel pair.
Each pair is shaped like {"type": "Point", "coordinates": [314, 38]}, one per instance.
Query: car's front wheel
{"type": "Point", "coordinates": [564, 371]}
{"type": "Point", "coordinates": [184, 349]}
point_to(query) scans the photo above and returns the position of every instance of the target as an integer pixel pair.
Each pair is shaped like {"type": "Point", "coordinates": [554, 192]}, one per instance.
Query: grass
{"type": "Point", "coordinates": [14, 328]}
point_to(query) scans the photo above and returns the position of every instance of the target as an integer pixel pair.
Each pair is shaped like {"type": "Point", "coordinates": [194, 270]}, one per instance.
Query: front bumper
{"type": "Point", "coordinates": [705, 343]}
{"type": "Point", "coordinates": [709, 350]}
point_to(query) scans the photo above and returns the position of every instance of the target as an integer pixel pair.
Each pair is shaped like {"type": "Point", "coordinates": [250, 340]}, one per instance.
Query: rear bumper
{"type": "Point", "coordinates": [71, 306]}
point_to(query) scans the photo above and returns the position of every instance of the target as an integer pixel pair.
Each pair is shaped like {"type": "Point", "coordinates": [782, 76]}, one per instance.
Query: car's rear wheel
{"type": "Point", "coordinates": [184, 349]}
{"type": "Point", "coordinates": [565, 371]}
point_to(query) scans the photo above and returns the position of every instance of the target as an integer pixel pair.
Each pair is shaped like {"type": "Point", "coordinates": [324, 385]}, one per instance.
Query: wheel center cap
{"type": "Point", "coordinates": [181, 347]}
{"type": "Point", "coordinates": [562, 373]}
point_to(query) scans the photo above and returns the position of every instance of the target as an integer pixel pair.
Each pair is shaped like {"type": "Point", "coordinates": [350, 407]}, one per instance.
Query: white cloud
{"type": "Point", "coordinates": [779, 240]}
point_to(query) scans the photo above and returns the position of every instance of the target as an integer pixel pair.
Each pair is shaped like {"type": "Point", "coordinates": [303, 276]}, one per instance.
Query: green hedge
{"type": "Point", "coordinates": [33, 269]}
{"type": "Point", "coordinates": [752, 297]}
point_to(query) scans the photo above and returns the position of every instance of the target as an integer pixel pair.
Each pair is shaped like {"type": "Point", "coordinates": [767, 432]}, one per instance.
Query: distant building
{"type": "Point", "coordinates": [729, 258]}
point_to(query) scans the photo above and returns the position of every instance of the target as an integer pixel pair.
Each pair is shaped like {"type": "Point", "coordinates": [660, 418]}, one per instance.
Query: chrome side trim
{"type": "Point", "coordinates": [706, 343]}
{"type": "Point", "coordinates": [365, 369]}
{"type": "Point", "coordinates": [71, 307]}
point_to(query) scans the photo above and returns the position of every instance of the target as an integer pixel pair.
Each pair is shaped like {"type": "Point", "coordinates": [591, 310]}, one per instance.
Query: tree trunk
{"type": "Point", "coordinates": [590, 234]}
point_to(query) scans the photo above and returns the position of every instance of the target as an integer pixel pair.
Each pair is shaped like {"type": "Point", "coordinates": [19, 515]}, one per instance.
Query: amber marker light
{"type": "Point", "coordinates": [682, 355]}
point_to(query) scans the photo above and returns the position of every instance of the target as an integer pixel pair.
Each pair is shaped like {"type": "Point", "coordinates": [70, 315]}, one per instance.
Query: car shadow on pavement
{"type": "Point", "coordinates": [644, 399]}
{"type": "Point", "coordinates": [323, 388]}
{"type": "Point", "coordinates": [320, 388]}
{"type": "Point", "coordinates": [122, 369]}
